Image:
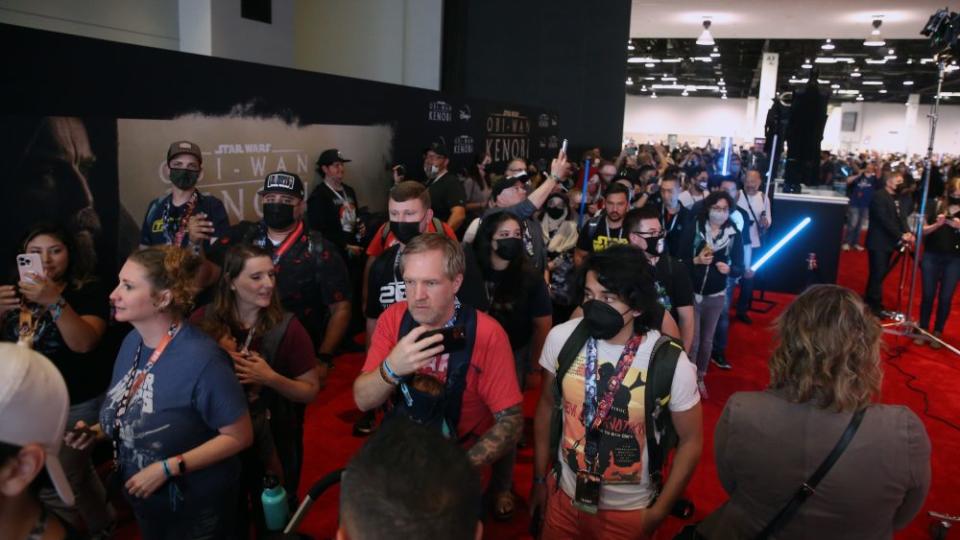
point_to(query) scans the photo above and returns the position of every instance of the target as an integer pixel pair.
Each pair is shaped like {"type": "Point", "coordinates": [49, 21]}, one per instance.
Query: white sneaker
{"type": "Point", "coordinates": [858, 247]}
{"type": "Point", "coordinates": [845, 247]}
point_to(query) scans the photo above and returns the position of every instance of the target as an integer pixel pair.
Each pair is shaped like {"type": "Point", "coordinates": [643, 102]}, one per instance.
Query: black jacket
{"type": "Point", "coordinates": [707, 280]}
{"type": "Point", "coordinates": [887, 223]}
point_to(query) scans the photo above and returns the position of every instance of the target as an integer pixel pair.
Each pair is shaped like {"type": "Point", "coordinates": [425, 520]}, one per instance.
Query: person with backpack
{"type": "Point", "coordinates": [273, 359]}
{"type": "Point", "coordinates": [616, 397]}
{"type": "Point", "coordinates": [442, 363]}
{"type": "Point", "coordinates": [312, 279]}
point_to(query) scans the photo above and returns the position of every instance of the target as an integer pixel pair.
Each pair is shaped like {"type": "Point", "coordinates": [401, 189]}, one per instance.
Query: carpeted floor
{"type": "Point", "coordinates": [923, 379]}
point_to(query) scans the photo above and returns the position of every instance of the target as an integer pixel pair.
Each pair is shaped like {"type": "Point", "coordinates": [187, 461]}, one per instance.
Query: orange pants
{"type": "Point", "coordinates": [563, 521]}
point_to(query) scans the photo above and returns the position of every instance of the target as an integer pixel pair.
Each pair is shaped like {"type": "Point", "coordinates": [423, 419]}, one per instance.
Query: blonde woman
{"type": "Point", "coordinates": [825, 368]}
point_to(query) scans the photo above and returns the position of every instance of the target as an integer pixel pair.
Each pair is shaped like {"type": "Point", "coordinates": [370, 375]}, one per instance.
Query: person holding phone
{"type": "Point", "coordinates": [470, 394]}
{"type": "Point", "coordinates": [175, 413]}
{"type": "Point", "coordinates": [516, 295]}
{"type": "Point", "coordinates": [61, 311]}
{"type": "Point", "coordinates": [713, 252]}
{"type": "Point", "coordinates": [272, 357]}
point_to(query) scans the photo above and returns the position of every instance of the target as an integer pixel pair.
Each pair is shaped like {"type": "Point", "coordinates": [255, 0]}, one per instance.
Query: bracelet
{"type": "Point", "coordinates": [56, 308]}
{"type": "Point", "coordinates": [166, 470]}
{"type": "Point", "coordinates": [181, 465]}
{"type": "Point", "coordinates": [386, 378]}
{"type": "Point", "coordinates": [539, 480]}
{"type": "Point", "coordinates": [392, 373]}
{"type": "Point", "coordinates": [555, 177]}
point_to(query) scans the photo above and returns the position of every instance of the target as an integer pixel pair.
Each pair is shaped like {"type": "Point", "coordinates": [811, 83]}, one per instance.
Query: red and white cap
{"type": "Point", "coordinates": [33, 408]}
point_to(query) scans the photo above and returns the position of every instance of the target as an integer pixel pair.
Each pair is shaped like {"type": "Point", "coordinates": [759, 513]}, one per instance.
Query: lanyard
{"type": "Point", "coordinates": [665, 215]}
{"type": "Point", "coordinates": [287, 244]}
{"type": "Point", "coordinates": [133, 384]}
{"type": "Point", "coordinates": [176, 238]}
{"type": "Point", "coordinates": [340, 196]}
{"type": "Point", "coordinates": [595, 410]}
{"type": "Point", "coordinates": [606, 225]}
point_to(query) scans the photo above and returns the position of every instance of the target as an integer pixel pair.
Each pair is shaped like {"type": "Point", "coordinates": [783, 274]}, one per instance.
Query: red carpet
{"type": "Point", "coordinates": [329, 444]}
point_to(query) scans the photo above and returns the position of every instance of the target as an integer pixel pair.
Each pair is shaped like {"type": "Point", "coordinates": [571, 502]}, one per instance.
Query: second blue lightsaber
{"type": "Point", "coordinates": [783, 241]}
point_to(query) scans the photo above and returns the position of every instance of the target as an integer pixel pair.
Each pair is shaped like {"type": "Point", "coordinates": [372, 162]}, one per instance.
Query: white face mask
{"type": "Point", "coordinates": [432, 171]}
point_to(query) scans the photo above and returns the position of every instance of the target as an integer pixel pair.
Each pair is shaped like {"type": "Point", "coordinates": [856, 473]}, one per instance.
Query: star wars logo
{"type": "Point", "coordinates": [463, 145]}
{"type": "Point", "coordinates": [440, 111]}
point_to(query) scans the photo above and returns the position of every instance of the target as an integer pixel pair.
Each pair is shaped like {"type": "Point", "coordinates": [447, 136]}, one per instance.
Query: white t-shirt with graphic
{"type": "Point", "coordinates": [623, 453]}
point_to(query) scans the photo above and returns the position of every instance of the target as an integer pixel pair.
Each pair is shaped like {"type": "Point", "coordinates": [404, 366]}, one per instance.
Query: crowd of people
{"type": "Point", "coordinates": [611, 286]}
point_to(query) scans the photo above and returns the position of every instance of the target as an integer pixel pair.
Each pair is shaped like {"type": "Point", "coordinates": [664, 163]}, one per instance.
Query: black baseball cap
{"type": "Point", "coordinates": [506, 183]}
{"type": "Point", "coordinates": [331, 156]}
{"type": "Point", "coordinates": [282, 182]}
{"type": "Point", "coordinates": [184, 147]}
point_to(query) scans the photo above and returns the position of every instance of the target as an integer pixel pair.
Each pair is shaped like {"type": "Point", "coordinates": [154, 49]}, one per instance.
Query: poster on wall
{"type": "Point", "coordinates": [239, 152]}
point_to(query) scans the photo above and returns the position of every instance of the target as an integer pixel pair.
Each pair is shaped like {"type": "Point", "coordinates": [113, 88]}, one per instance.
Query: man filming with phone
{"type": "Point", "coordinates": [442, 363]}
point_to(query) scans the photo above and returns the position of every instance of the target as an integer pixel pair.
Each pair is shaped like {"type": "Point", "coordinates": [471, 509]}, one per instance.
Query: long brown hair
{"type": "Point", "coordinates": [222, 316]}
{"type": "Point", "coordinates": [828, 350]}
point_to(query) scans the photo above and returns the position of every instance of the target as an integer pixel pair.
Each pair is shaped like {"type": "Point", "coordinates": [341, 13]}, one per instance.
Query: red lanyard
{"type": "Point", "coordinates": [288, 243]}
{"type": "Point", "coordinates": [185, 219]}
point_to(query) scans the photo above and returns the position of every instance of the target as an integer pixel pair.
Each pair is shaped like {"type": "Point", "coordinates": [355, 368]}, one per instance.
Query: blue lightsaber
{"type": "Point", "coordinates": [726, 157]}
{"type": "Point", "coordinates": [783, 241]}
{"type": "Point", "coordinates": [583, 199]}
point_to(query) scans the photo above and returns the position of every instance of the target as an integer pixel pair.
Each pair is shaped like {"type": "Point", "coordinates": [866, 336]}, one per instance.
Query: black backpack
{"type": "Point", "coordinates": [443, 410]}
{"type": "Point", "coordinates": [660, 433]}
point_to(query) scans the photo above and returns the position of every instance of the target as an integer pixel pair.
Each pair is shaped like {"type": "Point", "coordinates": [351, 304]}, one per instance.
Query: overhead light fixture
{"type": "Point", "coordinates": [848, 92]}
{"type": "Point", "coordinates": [927, 60]}
{"type": "Point", "coordinates": [856, 74]}
{"type": "Point", "coordinates": [714, 55]}
{"type": "Point", "coordinates": [642, 60]}
{"type": "Point", "coordinates": [649, 65]}
{"type": "Point", "coordinates": [908, 83]}
{"type": "Point", "coordinates": [873, 83]}
{"type": "Point", "coordinates": [828, 45]}
{"type": "Point", "coordinates": [705, 59]}
{"type": "Point", "coordinates": [629, 81]}
{"type": "Point", "coordinates": [667, 79]}
{"type": "Point", "coordinates": [685, 93]}
{"type": "Point", "coordinates": [860, 98]}
{"type": "Point", "coordinates": [630, 46]}
{"type": "Point", "coordinates": [643, 88]}
{"type": "Point", "coordinates": [835, 86]}
{"type": "Point", "coordinates": [653, 95]}
{"type": "Point", "coordinates": [883, 90]}
{"type": "Point", "coordinates": [806, 64]}
{"type": "Point", "coordinates": [949, 94]}
{"type": "Point", "coordinates": [890, 51]}
{"type": "Point", "coordinates": [724, 96]}
{"type": "Point", "coordinates": [909, 60]}
{"type": "Point", "coordinates": [706, 38]}
{"type": "Point", "coordinates": [721, 83]}
{"type": "Point", "coordinates": [875, 61]}
{"type": "Point", "coordinates": [834, 60]}
{"type": "Point", "coordinates": [875, 39]}
{"type": "Point", "coordinates": [672, 60]}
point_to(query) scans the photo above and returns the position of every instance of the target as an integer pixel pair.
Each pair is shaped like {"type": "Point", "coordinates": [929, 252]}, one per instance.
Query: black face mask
{"type": "Point", "coordinates": [603, 322]}
{"type": "Point", "coordinates": [509, 249]}
{"type": "Point", "coordinates": [184, 178]}
{"type": "Point", "coordinates": [653, 245]}
{"type": "Point", "coordinates": [405, 232]}
{"type": "Point", "coordinates": [278, 215]}
{"type": "Point", "coordinates": [953, 200]}
{"type": "Point", "coordinates": [554, 213]}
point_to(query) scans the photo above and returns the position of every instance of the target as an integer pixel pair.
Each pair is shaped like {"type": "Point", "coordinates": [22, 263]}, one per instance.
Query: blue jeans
{"type": "Point", "coordinates": [723, 324]}
{"type": "Point", "coordinates": [943, 270]}
{"type": "Point", "coordinates": [856, 217]}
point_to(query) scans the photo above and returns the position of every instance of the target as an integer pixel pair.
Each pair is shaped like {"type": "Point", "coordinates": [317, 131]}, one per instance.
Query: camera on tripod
{"type": "Point", "coordinates": [943, 29]}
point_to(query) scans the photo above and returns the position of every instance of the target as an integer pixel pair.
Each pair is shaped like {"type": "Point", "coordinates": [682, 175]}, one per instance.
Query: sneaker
{"type": "Point", "coordinates": [744, 318]}
{"type": "Point", "coordinates": [702, 388]}
{"type": "Point", "coordinates": [845, 247]}
{"type": "Point", "coordinates": [365, 424]}
{"type": "Point", "coordinates": [858, 247]}
{"type": "Point", "coordinates": [720, 361]}
{"type": "Point", "coordinates": [934, 344]}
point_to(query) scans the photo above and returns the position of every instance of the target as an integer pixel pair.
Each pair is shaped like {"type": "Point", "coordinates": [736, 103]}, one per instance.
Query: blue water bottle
{"type": "Point", "coordinates": [274, 499]}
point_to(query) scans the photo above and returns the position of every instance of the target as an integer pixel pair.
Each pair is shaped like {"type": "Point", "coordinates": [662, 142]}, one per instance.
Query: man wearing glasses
{"type": "Point", "coordinates": [674, 289]}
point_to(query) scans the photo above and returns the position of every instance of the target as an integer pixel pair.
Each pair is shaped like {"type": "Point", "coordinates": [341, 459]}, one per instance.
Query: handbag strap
{"type": "Point", "coordinates": [809, 487]}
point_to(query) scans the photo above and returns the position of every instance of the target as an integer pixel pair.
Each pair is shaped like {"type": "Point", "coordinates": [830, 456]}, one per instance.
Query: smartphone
{"type": "Point", "coordinates": [454, 337]}
{"type": "Point", "coordinates": [86, 430]}
{"type": "Point", "coordinates": [563, 147]}
{"type": "Point", "coordinates": [29, 263]}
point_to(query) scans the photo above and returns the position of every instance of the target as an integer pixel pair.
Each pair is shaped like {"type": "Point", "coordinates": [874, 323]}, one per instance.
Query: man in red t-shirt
{"type": "Point", "coordinates": [490, 420]}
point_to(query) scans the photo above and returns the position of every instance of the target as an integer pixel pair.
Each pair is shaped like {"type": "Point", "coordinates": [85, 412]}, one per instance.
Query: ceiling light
{"type": "Point", "coordinates": [883, 90]}
{"type": "Point", "coordinates": [653, 95]}
{"type": "Point", "coordinates": [794, 80]}
{"type": "Point", "coordinates": [890, 57]}
{"type": "Point", "coordinates": [685, 93]}
{"type": "Point", "coordinates": [630, 47]}
{"type": "Point", "coordinates": [874, 61]}
{"type": "Point", "coordinates": [705, 37]}
{"type": "Point", "coordinates": [926, 60]}
{"type": "Point", "coordinates": [642, 60]}
{"type": "Point", "coordinates": [806, 64]}
{"type": "Point", "coordinates": [667, 79]}
{"type": "Point", "coordinates": [721, 83]}
{"type": "Point", "coordinates": [828, 45]}
{"type": "Point", "coordinates": [714, 55]}
{"type": "Point", "coordinates": [835, 86]}
{"type": "Point", "coordinates": [649, 65]}
{"type": "Point", "coordinates": [873, 83]}
{"type": "Point", "coordinates": [856, 74]}
{"type": "Point", "coordinates": [629, 81]}
{"type": "Point", "coordinates": [909, 60]}
{"type": "Point", "coordinates": [875, 39]}
{"type": "Point", "coordinates": [834, 60]}
{"type": "Point", "coordinates": [889, 51]}
{"type": "Point", "coordinates": [908, 83]}
{"type": "Point", "coordinates": [848, 92]}
{"type": "Point", "coordinates": [724, 96]}
{"type": "Point", "coordinates": [860, 98]}
{"type": "Point", "coordinates": [672, 60]}
{"type": "Point", "coordinates": [949, 94]}
{"type": "Point", "coordinates": [643, 88]}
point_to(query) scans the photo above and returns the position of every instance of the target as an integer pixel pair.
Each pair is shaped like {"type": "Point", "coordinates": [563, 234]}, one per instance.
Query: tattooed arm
{"type": "Point", "coordinates": [500, 438]}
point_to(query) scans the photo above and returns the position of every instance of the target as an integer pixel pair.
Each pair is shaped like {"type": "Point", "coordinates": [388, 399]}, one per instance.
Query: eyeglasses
{"type": "Point", "coordinates": [721, 208]}
{"type": "Point", "coordinates": [648, 234]}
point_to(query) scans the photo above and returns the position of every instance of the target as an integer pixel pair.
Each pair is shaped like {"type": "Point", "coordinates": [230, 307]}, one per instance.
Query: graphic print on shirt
{"type": "Point", "coordinates": [623, 432]}
{"type": "Point", "coordinates": [141, 405]}
{"type": "Point", "coordinates": [603, 242]}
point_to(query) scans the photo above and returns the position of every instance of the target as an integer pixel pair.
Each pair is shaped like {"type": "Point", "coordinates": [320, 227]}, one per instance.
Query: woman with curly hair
{"type": "Point", "coordinates": [825, 368]}
{"type": "Point", "coordinates": [175, 411]}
